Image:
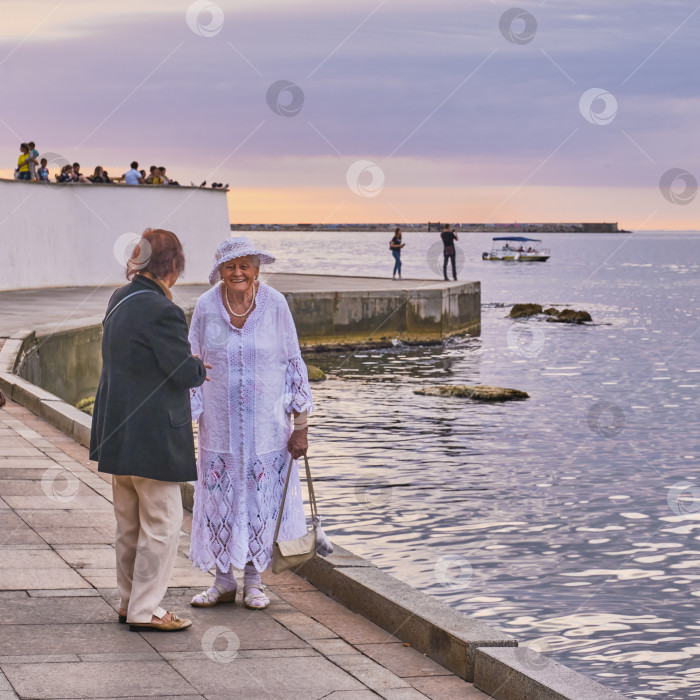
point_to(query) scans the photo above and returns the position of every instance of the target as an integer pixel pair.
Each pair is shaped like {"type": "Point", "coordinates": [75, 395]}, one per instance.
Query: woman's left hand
{"type": "Point", "coordinates": [298, 444]}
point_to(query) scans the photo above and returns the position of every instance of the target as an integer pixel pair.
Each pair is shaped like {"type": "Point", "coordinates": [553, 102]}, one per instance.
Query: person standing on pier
{"type": "Point", "coordinates": [395, 246]}
{"type": "Point", "coordinates": [252, 418]}
{"type": "Point", "coordinates": [142, 426]}
{"type": "Point", "coordinates": [449, 252]}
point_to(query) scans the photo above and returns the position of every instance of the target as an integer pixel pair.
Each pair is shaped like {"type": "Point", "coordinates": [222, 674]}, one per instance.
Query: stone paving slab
{"type": "Point", "coordinates": [403, 660]}
{"type": "Point", "coordinates": [8, 473]}
{"type": "Point", "coordinates": [77, 535]}
{"type": "Point", "coordinates": [21, 451]}
{"type": "Point", "coordinates": [86, 502]}
{"type": "Point", "coordinates": [42, 463]}
{"type": "Point", "coordinates": [24, 610]}
{"type": "Point", "coordinates": [447, 688]}
{"type": "Point", "coordinates": [373, 675]}
{"type": "Point", "coordinates": [31, 560]}
{"type": "Point", "coordinates": [63, 593]}
{"type": "Point", "coordinates": [336, 695]}
{"type": "Point", "coordinates": [262, 678]}
{"type": "Point", "coordinates": [51, 519]}
{"type": "Point", "coordinates": [12, 440]}
{"type": "Point", "coordinates": [54, 681]}
{"type": "Point", "coordinates": [84, 638]}
{"type": "Point", "coordinates": [59, 635]}
{"type": "Point", "coordinates": [24, 579]}
{"type": "Point", "coordinates": [14, 531]}
{"type": "Point", "coordinates": [255, 630]}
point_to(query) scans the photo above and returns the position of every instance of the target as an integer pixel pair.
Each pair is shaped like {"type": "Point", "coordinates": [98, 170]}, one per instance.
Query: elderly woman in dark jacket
{"type": "Point", "coordinates": [142, 426]}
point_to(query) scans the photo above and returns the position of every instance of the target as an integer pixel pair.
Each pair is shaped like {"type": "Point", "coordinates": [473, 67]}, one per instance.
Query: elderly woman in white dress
{"type": "Point", "coordinates": [252, 416]}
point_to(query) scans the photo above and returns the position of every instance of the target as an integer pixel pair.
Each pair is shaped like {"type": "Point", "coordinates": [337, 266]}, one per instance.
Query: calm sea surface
{"type": "Point", "coordinates": [570, 520]}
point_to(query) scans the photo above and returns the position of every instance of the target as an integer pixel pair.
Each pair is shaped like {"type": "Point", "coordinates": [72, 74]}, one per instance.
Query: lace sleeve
{"type": "Point", "coordinates": [196, 393]}
{"type": "Point", "coordinates": [298, 392]}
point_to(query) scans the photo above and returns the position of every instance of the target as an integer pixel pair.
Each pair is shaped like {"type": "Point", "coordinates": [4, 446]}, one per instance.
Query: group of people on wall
{"type": "Point", "coordinates": [239, 373]}
{"type": "Point", "coordinates": [449, 251]}
{"type": "Point", "coordinates": [34, 168]}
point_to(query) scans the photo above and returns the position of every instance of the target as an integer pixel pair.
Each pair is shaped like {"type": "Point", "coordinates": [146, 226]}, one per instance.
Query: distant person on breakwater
{"type": "Point", "coordinates": [133, 176]}
{"type": "Point", "coordinates": [395, 247]}
{"type": "Point", "coordinates": [252, 422]}
{"type": "Point", "coordinates": [449, 252]}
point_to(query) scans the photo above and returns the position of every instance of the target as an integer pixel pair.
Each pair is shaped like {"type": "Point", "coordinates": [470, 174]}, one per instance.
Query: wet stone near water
{"type": "Point", "coordinates": [477, 393]}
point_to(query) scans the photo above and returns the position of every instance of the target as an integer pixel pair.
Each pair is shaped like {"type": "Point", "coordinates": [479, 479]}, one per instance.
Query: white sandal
{"type": "Point", "coordinates": [213, 596]}
{"type": "Point", "coordinates": [249, 598]}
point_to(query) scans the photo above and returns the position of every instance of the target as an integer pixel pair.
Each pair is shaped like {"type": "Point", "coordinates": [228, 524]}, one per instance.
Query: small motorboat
{"type": "Point", "coordinates": [516, 249]}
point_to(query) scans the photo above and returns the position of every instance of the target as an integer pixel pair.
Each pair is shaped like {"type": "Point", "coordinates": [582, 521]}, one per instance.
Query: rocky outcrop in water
{"type": "Point", "coordinates": [563, 316]}
{"type": "Point", "coordinates": [571, 316]}
{"type": "Point", "coordinates": [480, 392]}
{"type": "Point", "coordinates": [315, 374]}
{"type": "Point", "coordinates": [525, 310]}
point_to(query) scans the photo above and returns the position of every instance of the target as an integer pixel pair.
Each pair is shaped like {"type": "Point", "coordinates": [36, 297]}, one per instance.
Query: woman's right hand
{"type": "Point", "coordinates": [298, 443]}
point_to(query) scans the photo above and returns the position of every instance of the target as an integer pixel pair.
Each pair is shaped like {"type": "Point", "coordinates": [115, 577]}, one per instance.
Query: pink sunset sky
{"type": "Point", "coordinates": [461, 111]}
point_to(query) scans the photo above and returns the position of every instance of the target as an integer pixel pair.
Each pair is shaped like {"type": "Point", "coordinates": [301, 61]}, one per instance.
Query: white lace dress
{"type": "Point", "coordinates": [257, 379]}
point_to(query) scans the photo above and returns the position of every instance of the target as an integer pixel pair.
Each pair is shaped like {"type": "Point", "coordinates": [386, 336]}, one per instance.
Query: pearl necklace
{"type": "Point", "coordinates": [233, 313]}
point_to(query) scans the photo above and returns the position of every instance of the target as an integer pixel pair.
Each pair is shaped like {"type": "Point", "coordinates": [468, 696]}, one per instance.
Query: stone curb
{"type": "Point", "coordinates": [520, 673]}
{"type": "Point", "coordinates": [469, 648]}
{"type": "Point", "coordinates": [50, 407]}
{"type": "Point", "coordinates": [447, 636]}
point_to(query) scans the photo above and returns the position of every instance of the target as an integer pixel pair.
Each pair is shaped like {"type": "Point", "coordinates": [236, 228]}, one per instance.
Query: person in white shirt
{"type": "Point", "coordinates": [133, 176]}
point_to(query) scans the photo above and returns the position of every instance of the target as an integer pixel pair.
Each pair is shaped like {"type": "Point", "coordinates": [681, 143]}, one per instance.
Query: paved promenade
{"type": "Point", "coordinates": [59, 635]}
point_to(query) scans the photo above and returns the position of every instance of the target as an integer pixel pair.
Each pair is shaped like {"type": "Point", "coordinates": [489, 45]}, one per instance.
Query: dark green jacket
{"type": "Point", "coordinates": [142, 423]}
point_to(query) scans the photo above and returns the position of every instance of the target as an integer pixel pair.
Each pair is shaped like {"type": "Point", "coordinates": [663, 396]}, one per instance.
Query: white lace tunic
{"type": "Point", "coordinates": [257, 379]}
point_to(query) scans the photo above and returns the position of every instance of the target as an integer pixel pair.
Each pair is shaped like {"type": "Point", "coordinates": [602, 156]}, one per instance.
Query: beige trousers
{"type": "Point", "coordinates": [149, 519]}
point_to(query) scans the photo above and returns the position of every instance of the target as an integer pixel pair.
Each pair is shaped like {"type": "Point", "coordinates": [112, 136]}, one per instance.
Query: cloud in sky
{"type": "Point", "coordinates": [434, 93]}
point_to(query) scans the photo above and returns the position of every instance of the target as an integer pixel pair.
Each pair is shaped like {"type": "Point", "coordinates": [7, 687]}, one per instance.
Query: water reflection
{"type": "Point", "coordinates": [568, 520]}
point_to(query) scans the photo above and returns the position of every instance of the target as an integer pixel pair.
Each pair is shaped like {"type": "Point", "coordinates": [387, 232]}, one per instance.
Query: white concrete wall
{"type": "Point", "coordinates": [64, 235]}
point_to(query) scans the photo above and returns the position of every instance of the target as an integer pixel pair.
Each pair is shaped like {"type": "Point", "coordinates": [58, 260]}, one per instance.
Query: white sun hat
{"type": "Point", "coordinates": [237, 247]}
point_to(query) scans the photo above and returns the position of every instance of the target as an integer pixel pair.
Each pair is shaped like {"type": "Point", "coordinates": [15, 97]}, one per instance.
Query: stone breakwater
{"type": "Point", "coordinates": [515, 229]}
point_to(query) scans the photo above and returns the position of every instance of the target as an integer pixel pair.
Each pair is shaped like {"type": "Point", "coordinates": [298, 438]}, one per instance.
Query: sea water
{"type": "Point", "coordinates": [570, 520]}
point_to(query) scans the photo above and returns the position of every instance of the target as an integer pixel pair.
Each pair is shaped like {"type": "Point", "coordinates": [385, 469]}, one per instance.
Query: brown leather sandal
{"type": "Point", "coordinates": [175, 624]}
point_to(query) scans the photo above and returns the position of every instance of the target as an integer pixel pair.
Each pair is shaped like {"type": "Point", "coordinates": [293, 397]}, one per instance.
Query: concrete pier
{"type": "Point", "coordinates": [63, 355]}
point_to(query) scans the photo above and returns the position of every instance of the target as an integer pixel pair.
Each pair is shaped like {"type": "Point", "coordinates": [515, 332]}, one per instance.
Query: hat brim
{"type": "Point", "coordinates": [265, 259]}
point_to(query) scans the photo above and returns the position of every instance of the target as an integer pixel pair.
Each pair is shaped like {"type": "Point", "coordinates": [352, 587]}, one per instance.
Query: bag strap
{"type": "Point", "coordinates": [128, 296]}
{"type": "Point", "coordinates": [312, 495]}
